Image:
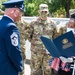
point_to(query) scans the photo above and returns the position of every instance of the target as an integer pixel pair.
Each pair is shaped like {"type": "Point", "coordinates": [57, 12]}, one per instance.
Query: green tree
{"type": "Point", "coordinates": [33, 6]}
{"type": "Point", "coordinates": [1, 3]}
{"type": "Point", "coordinates": [57, 4]}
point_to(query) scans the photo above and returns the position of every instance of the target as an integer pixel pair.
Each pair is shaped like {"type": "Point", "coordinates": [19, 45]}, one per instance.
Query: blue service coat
{"type": "Point", "coordinates": [10, 53]}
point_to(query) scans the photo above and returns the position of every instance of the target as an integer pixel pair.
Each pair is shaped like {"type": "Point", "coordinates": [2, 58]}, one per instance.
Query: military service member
{"type": "Point", "coordinates": [70, 24]}
{"type": "Point", "coordinates": [10, 53]}
{"type": "Point", "coordinates": [39, 55]}
{"type": "Point", "coordinates": [23, 26]}
{"type": "Point", "coordinates": [66, 69]}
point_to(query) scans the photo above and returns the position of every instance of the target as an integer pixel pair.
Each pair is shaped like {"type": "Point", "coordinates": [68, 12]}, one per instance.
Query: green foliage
{"type": "Point", "coordinates": [59, 12]}
{"type": "Point", "coordinates": [55, 6]}
{"type": "Point", "coordinates": [73, 4]}
{"type": "Point", "coordinates": [32, 7]}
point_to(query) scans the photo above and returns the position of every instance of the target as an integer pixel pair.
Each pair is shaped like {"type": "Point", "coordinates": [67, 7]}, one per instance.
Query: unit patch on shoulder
{"type": "Point", "coordinates": [14, 39]}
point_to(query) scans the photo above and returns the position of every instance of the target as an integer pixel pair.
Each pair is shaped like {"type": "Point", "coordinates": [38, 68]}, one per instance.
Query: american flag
{"type": "Point", "coordinates": [56, 64]}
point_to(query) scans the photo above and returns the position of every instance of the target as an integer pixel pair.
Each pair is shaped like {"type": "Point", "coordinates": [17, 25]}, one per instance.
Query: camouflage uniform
{"type": "Point", "coordinates": [22, 26]}
{"type": "Point", "coordinates": [62, 30]}
{"type": "Point", "coordinates": [39, 56]}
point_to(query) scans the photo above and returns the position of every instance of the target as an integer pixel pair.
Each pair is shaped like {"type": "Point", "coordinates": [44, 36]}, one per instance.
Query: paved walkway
{"type": "Point", "coordinates": [27, 69]}
{"type": "Point", "coordinates": [28, 57]}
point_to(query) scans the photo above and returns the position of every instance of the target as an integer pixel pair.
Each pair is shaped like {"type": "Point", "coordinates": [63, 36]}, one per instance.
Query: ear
{"type": "Point", "coordinates": [39, 11]}
{"type": "Point", "coordinates": [12, 12]}
{"type": "Point", "coordinates": [16, 13]}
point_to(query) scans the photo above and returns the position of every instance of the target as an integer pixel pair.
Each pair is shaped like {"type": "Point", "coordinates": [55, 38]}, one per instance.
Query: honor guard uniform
{"type": "Point", "coordinates": [10, 53]}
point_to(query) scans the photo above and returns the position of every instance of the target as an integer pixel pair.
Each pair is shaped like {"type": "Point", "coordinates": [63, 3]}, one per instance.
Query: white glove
{"type": "Point", "coordinates": [63, 59]}
{"type": "Point", "coordinates": [47, 51]}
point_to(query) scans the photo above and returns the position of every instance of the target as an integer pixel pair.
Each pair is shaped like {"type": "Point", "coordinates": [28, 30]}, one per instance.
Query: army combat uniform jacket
{"type": "Point", "coordinates": [39, 57]}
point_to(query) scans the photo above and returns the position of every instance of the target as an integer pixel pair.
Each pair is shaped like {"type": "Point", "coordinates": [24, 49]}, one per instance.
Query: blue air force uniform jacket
{"type": "Point", "coordinates": [10, 53]}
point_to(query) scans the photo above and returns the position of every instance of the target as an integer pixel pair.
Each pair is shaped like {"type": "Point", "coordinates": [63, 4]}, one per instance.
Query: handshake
{"type": "Point", "coordinates": [63, 59]}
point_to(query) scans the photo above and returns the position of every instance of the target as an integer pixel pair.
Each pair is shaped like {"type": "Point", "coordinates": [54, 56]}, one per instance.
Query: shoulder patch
{"type": "Point", "coordinates": [14, 39]}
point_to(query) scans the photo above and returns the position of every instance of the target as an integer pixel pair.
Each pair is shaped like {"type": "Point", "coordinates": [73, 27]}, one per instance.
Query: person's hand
{"type": "Point", "coordinates": [63, 59]}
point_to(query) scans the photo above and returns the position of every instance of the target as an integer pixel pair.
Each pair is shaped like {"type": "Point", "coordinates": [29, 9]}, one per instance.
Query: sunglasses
{"type": "Point", "coordinates": [44, 11]}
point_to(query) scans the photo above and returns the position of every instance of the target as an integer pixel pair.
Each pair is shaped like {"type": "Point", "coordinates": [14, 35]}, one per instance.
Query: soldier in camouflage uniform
{"type": "Point", "coordinates": [39, 56]}
{"type": "Point", "coordinates": [70, 24]}
{"type": "Point", "coordinates": [22, 26]}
